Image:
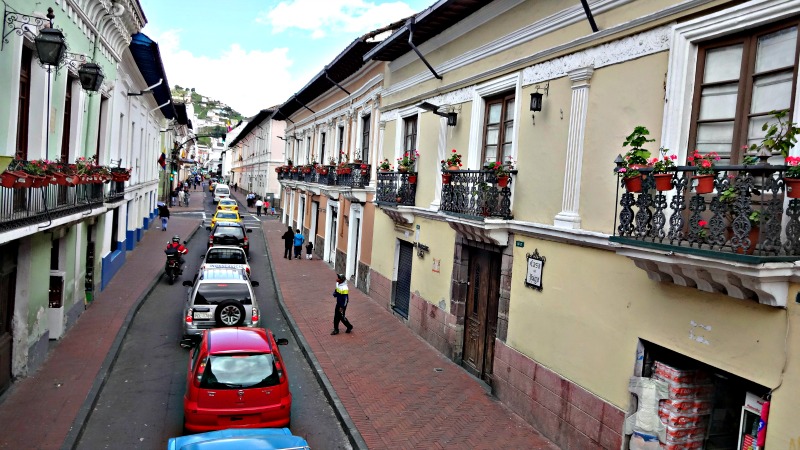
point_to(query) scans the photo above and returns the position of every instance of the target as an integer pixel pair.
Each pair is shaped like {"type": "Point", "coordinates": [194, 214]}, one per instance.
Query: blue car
{"type": "Point", "coordinates": [239, 438]}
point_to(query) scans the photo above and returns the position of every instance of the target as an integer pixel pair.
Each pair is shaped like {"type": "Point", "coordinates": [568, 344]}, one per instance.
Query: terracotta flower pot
{"type": "Point", "coordinates": [502, 180]}
{"type": "Point", "coordinates": [792, 187]}
{"type": "Point", "coordinates": [634, 184]}
{"type": "Point", "coordinates": [446, 178]}
{"type": "Point", "coordinates": [412, 179]}
{"type": "Point", "coordinates": [10, 178]}
{"type": "Point", "coordinates": [402, 169]}
{"type": "Point", "coordinates": [38, 181]}
{"type": "Point", "coordinates": [663, 181]}
{"type": "Point", "coordinates": [705, 184]}
{"type": "Point", "coordinates": [452, 168]}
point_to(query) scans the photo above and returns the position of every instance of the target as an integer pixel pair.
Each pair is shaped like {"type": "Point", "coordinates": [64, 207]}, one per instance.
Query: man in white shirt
{"type": "Point", "coordinates": [259, 204]}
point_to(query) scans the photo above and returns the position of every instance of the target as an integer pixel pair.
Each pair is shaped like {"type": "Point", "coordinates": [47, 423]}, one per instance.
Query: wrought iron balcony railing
{"type": "Point", "coordinates": [25, 206]}
{"type": "Point", "coordinates": [476, 194]}
{"type": "Point", "coordinates": [742, 214]}
{"type": "Point", "coordinates": [115, 192]}
{"type": "Point", "coordinates": [396, 188]}
{"type": "Point", "coordinates": [355, 176]}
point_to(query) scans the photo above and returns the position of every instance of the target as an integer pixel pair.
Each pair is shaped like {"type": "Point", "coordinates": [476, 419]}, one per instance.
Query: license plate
{"type": "Point", "coordinates": [202, 315]}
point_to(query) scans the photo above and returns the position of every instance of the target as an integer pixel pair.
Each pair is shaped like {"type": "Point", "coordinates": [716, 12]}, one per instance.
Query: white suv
{"type": "Point", "coordinates": [221, 191]}
{"type": "Point", "coordinates": [226, 257]}
{"type": "Point", "coordinates": [219, 298]}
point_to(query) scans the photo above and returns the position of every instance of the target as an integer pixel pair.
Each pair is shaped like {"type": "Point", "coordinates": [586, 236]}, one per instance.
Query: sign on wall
{"type": "Point", "coordinates": [535, 270]}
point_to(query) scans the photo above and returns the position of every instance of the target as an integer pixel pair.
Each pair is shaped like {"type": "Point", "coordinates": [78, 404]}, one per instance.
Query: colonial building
{"type": "Point", "coordinates": [63, 238]}
{"type": "Point", "coordinates": [534, 268]}
{"type": "Point", "coordinates": [332, 147]}
{"type": "Point", "coordinates": [258, 149]}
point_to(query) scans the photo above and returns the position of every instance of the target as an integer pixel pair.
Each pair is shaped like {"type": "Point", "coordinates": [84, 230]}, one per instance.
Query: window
{"type": "Point", "coordinates": [498, 129]}
{"type": "Point", "coordinates": [365, 129]}
{"type": "Point", "coordinates": [240, 371]}
{"type": "Point", "coordinates": [24, 104]}
{"type": "Point", "coordinates": [740, 79]}
{"type": "Point", "coordinates": [101, 127]}
{"type": "Point", "coordinates": [115, 230]}
{"type": "Point", "coordinates": [410, 134]}
{"type": "Point", "coordinates": [322, 137]}
{"type": "Point", "coordinates": [65, 135]}
{"type": "Point", "coordinates": [340, 147]}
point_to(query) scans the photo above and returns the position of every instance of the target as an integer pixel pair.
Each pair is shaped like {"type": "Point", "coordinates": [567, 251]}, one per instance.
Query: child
{"type": "Point", "coordinates": [309, 250]}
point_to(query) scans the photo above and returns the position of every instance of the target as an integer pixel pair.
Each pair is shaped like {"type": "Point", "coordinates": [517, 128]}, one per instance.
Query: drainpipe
{"type": "Point", "coordinates": [416, 50]}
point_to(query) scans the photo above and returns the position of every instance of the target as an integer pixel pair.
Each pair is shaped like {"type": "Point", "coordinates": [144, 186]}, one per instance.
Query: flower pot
{"type": "Point", "coordinates": [663, 181]}
{"type": "Point", "coordinates": [792, 187]}
{"type": "Point", "coordinates": [752, 235]}
{"type": "Point", "coordinates": [634, 184]}
{"type": "Point", "coordinates": [364, 171]}
{"type": "Point", "coordinates": [446, 178]}
{"type": "Point", "coordinates": [402, 169]}
{"type": "Point", "coordinates": [705, 184]}
{"type": "Point", "coordinates": [399, 199]}
{"type": "Point", "coordinates": [71, 180]}
{"type": "Point", "coordinates": [38, 181]}
{"type": "Point", "coordinates": [452, 168]}
{"type": "Point", "coordinates": [502, 180]}
{"type": "Point", "coordinates": [412, 179]}
{"type": "Point", "coordinates": [9, 179]}
{"type": "Point", "coordinates": [384, 170]}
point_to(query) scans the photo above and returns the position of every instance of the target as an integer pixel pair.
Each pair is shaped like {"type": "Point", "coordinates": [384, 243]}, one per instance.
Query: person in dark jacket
{"type": "Point", "coordinates": [342, 298]}
{"type": "Point", "coordinates": [288, 240]}
{"type": "Point", "coordinates": [163, 212]}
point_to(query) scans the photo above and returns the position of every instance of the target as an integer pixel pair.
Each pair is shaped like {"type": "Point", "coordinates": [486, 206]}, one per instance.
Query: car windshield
{"type": "Point", "coordinates": [225, 256]}
{"type": "Point", "coordinates": [222, 190]}
{"type": "Point", "coordinates": [242, 370]}
{"type": "Point", "coordinates": [229, 231]}
{"type": "Point", "coordinates": [227, 215]}
{"type": "Point", "coordinates": [216, 293]}
{"type": "Point", "coordinates": [227, 203]}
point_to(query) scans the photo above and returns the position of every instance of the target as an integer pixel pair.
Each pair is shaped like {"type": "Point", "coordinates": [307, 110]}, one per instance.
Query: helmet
{"type": "Point", "coordinates": [340, 277]}
{"type": "Point", "coordinates": [176, 238]}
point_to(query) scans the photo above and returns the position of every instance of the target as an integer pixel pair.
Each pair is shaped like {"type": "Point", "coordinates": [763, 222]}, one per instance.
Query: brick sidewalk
{"type": "Point", "coordinates": [42, 408]}
{"type": "Point", "coordinates": [385, 375]}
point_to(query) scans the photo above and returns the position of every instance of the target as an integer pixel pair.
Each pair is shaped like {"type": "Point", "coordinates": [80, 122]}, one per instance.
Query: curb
{"type": "Point", "coordinates": [85, 412]}
{"type": "Point", "coordinates": [341, 413]}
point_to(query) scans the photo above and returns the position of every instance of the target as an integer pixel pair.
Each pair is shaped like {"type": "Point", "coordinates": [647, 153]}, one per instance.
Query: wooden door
{"type": "Point", "coordinates": [480, 322]}
{"type": "Point", "coordinates": [8, 278]}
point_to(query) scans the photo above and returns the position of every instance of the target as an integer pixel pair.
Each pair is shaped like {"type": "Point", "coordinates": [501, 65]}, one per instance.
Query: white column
{"type": "Point", "coordinates": [441, 154]}
{"type": "Point", "coordinates": [570, 203]}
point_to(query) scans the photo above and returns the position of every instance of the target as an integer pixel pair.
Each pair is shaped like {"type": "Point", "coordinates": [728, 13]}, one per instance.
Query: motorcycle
{"type": "Point", "coordinates": [173, 265]}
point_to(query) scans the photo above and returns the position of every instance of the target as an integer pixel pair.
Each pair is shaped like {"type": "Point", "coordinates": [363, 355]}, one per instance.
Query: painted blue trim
{"type": "Point", "coordinates": [111, 265]}
{"type": "Point", "coordinates": [138, 235]}
{"type": "Point", "coordinates": [146, 223]}
{"type": "Point", "coordinates": [130, 239]}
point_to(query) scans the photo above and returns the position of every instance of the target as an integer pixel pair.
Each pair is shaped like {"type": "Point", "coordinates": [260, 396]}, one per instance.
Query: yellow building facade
{"type": "Point", "coordinates": [555, 289]}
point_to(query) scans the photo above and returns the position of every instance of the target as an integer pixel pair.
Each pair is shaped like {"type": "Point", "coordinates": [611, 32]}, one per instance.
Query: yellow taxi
{"type": "Point", "coordinates": [227, 204]}
{"type": "Point", "coordinates": [226, 216]}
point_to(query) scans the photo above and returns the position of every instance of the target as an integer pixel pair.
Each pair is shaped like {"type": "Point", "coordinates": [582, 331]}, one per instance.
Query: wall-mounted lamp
{"type": "Point", "coordinates": [91, 76]}
{"type": "Point", "coordinates": [452, 117]}
{"type": "Point", "coordinates": [537, 99]}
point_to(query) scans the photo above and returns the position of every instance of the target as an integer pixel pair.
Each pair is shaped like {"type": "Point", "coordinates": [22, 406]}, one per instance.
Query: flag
{"type": "Point", "coordinates": [228, 123]}
{"type": "Point", "coordinates": [162, 160]}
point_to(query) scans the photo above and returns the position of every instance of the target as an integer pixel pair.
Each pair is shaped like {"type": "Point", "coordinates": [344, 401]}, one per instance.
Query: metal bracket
{"type": "Point", "coordinates": [18, 22]}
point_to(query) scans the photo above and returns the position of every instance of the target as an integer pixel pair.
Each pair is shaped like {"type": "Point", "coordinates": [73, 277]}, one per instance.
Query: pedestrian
{"type": "Point", "coordinates": [309, 250]}
{"type": "Point", "coordinates": [173, 196]}
{"type": "Point", "coordinates": [181, 196]}
{"type": "Point", "coordinates": [266, 207]}
{"type": "Point", "coordinates": [235, 187]}
{"type": "Point", "coordinates": [298, 243]}
{"type": "Point", "coordinates": [342, 298]}
{"type": "Point", "coordinates": [259, 204]}
{"type": "Point", "coordinates": [288, 239]}
{"type": "Point", "coordinates": [163, 212]}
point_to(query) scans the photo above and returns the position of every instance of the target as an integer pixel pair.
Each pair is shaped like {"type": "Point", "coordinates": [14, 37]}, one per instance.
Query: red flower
{"type": "Point", "coordinates": [702, 223]}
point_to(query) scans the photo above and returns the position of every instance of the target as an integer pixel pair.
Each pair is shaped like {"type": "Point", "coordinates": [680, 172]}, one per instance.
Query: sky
{"type": "Point", "coordinates": [253, 54]}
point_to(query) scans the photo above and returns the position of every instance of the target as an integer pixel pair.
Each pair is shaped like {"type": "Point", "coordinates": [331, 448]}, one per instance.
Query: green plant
{"type": "Point", "coordinates": [290, 162]}
{"type": "Point", "coordinates": [500, 170]}
{"type": "Point", "coordinates": [385, 165]}
{"type": "Point", "coordinates": [637, 155]}
{"type": "Point", "coordinates": [665, 163]}
{"type": "Point", "coordinates": [705, 163]}
{"type": "Point", "coordinates": [332, 161]}
{"type": "Point", "coordinates": [37, 167]}
{"type": "Point", "coordinates": [703, 233]}
{"type": "Point", "coordinates": [409, 159]}
{"type": "Point", "coordinates": [626, 172]}
{"type": "Point", "coordinates": [453, 160]}
{"type": "Point", "coordinates": [780, 137]}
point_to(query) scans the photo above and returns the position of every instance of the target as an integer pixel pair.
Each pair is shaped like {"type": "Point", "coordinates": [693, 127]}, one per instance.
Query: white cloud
{"type": "Point", "coordinates": [323, 16]}
{"type": "Point", "coordinates": [247, 81]}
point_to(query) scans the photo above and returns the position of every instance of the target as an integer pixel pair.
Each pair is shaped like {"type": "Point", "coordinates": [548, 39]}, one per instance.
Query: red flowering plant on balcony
{"type": "Point", "coordinates": [705, 163]}
{"type": "Point", "coordinates": [794, 167]}
{"type": "Point", "coordinates": [453, 162]}
{"type": "Point", "coordinates": [407, 161]}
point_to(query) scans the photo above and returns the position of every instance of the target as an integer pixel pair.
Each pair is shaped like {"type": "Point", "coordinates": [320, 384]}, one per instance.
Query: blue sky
{"type": "Point", "coordinates": [252, 54]}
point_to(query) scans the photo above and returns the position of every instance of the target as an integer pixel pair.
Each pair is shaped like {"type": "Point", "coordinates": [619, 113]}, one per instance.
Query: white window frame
{"type": "Point", "coordinates": [683, 61]}
{"type": "Point", "coordinates": [488, 89]}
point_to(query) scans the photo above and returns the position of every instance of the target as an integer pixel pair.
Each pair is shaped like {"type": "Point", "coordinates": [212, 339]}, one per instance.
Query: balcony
{"type": "Point", "coordinates": [476, 194]}
{"type": "Point", "coordinates": [740, 239]}
{"type": "Point", "coordinates": [27, 206]}
{"type": "Point", "coordinates": [396, 188]}
{"type": "Point", "coordinates": [353, 175]}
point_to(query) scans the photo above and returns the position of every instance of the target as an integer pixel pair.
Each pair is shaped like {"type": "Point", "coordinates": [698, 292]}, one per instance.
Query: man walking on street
{"type": "Point", "coordinates": [259, 204]}
{"type": "Point", "coordinates": [163, 212]}
{"type": "Point", "coordinates": [342, 298]}
{"type": "Point", "coordinates": [288, 239]}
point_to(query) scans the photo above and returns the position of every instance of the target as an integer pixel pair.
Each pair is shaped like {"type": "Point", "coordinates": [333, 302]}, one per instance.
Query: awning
{"type": "Point", "coordinates": [148, 59]}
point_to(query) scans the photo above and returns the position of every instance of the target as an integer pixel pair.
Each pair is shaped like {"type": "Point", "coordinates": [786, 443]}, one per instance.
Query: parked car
{"type": "Point", "coordinates": [236, 379]}
{"type": "Point", "coordinates": [227, 216]}
{"type": "Point", "coordinates": [225, 257]}
{"type": "Point", "coordinates": [239, 438]}
{"type": "Point", "coordinates": [229, 233]}
{"type": "Point", "coordinates": [228, 204]}
{"type": "Point", "coordinates": [219, 298]}
{"type": "Point", "coordinates": [221, 191]}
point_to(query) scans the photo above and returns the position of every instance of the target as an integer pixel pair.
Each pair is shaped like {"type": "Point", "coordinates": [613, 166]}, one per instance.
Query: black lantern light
{"type": "Point", "coordinates": [536, 101]}
{"type": "Point", "coordinates": [91, 76]}
{"type": "Point", "coordinates": [50, 46]}
{"type": "Point", "coordinates": [452, 117]}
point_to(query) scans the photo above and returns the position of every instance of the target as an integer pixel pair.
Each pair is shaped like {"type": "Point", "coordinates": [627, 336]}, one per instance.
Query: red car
{"type": "Point", "coordinates": [236, 379]}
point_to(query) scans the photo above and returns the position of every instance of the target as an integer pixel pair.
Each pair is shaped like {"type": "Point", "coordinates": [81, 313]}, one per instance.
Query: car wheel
{"type": "Point", "coordinates": [230, 313]}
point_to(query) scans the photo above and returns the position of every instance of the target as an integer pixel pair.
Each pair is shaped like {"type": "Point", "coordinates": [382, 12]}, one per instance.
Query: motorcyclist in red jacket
{"type": "Point", "coordinates": [175, 245]}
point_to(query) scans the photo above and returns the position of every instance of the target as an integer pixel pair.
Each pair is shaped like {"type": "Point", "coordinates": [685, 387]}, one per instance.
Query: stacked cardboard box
{"type": "Point", "coordinates": [688, 408]}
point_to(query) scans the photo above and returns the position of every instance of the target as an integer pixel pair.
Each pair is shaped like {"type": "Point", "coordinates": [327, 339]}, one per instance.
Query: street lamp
{"type": "Point", "coordinates": [50, 45]}
{"type": "Point", "coordinates": [91, 76]}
